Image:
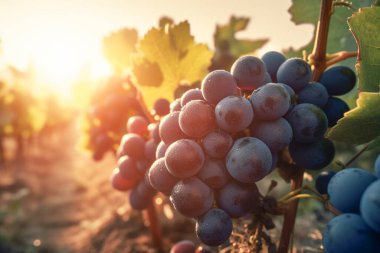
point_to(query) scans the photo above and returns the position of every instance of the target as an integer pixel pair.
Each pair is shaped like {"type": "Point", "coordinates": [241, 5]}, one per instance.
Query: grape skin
{"type": "Point", "coordinates": [233, 114]}
{"type": "Point", "coordinates": [120, 183]}
{"type": "Point", "coordinates": [348, 233]}
{"type": "Point", "coordinates": [312, 156]}
{"type": "Point", "coordinates": [346, 188]}
{"type": "Point", "coordinates": [169, 129]}
{"type": "Point", "coordinates": [214, 173]}
{"type": "Point", "coordinates": [217, 85]}
{"type": "Point", "coordinates": [197, 118]}
{"type": "Point", "coordinates": [161, 107]}
{"type": "Point", "coordinates": [137, 124]}
{"type": "Point", "coordinates": [161, 149]}
{"type": "Point", "coordinates": [191, 197]}
{"type": "Point", "coordinates": [249, 72]}
{"type": "Point", "coordinates": [214, 227]}
{"type": "Point", "coordinates": [338, 80]}
{"type": "Point", "coordinates": [190, 95]}
{"type": "Point", "coordinates": [160, 178]}
{"type": "Point", "coordinates": [249, 160]}
{"type": "Point", "coordinates": [377, 166]}
{"type": "Point", "coordinates": [322, 181]}
{"type": "Point", "coordinates": [184, 158]}
{"type": "Point", "coordinates": [273, 61]}
{"type": "Point", "coordinates": [184, 246]}
{"type": "Point", "coordinates": [270, 101]}
{"type": "Point", "coordinates": [313, 93]}
{"type": "Point", "coordinates": [217, 143]}
{"type": "Point", "coordinates": [128, 169]}
{"type": "Point", "coordinates": [334, 110]}
{"type": "Point", "coordinates": [370, 206]}
{"type": "Point", "coordinates": [294, 72]}
{"type": "Point", "coordinates": [133, 145]}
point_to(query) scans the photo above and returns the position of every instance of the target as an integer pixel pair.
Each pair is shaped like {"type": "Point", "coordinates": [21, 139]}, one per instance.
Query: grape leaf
{"type": "Point", "coordinates": [361, 124]}
{"type": "Point", "coordinates": [339, 38]}
{"type": "Point", "coordinates": [227, 33]}
{"type": "Point", "coordinates": [118, 47]}
{"type": "Point", "coordinates": [365, 26]}
{"type": "Point", "coordinates": [176, 54]}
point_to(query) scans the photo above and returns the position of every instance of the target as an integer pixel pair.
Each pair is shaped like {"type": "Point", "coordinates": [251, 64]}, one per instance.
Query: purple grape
{"type": "Point", "coordinates": [313, 93]}
{"type": "Point", "coordinates": [175, 106]}
{"type": "Point", "coordinates": [322, 181]}
{"type": "Point", "coordinates": [160, 178]}
{"type": "Point", "coordinates": [214, 173]}
{"type": "Point", "coordinates": [273, 61]}
{"type": "Point", "coordinates": [184, 246]}
{"type": "Point", "coordinates": [161, 149]}
{"type": "Point", "coordinates": [249, 72]}
{"type": "Point", "coordinates": [217, 144]}
{"type": "Point", "coordinates": [294, 72]}
{"type": "Point", "coordinates": [150, 150]}
{"type": "Point", "coordinates": [190, 95]}
{"type": "Point", "coordinates": [128, 168]}
{"type": "Point", "coordinates": [133, 145]}
{"type": "Point", "coordinates": [217, 85]}
{"type": "Point", "coordinates": [161, 107]}
{"type": "Point", "coordinates": [169, 128]}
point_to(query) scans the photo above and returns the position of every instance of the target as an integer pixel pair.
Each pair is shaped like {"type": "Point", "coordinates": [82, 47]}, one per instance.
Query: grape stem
{"type": "Point", "coordinates": [361, 151]}
{"type": "Point", "coordinates": [340, 56]}
{"type": "Point", "coordinates": [318, 60]}
{"type": "Point", "coordinates": [154, 226]}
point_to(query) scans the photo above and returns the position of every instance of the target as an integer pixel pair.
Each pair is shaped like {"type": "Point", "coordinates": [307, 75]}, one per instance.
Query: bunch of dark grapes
{"type": "Point", "coordinates": [136, 152]}
{"type": "Point", "coordinates": [218, 141]}
{"type": "Point", "coordinates": [111, 106]}
{"type": "Point", "coordinates": [355, 192]}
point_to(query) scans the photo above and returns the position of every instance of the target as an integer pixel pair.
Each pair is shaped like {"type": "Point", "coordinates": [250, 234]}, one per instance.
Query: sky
{"type": "Point", "coordinates": [61, 36]}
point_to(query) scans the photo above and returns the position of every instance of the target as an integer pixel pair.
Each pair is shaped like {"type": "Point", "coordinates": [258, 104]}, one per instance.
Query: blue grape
{"type": "Point", "coordinates": [270, 101]}
{"type": "Point", "coordinates": [370, 206]}
{"type": "Point", "coordinates": [249, 72]}
{"type": "Point", "coordinates": [175, 106]}
{"type": "Point", "coordinates": [169, 129]}
{"type": "Point", "coordinates": [184, 246]}
{"type": "Point", "coordinates": [377, 166]}
{"type": "Point", "coordinates": [294, 72]}
{"type": "Point", "coordinates": [217, 85]}
{"type": "Point", "coordinates": [190, 95]}
{"type": "Point", "coordinates": [160, 178]}
{"type": "Point", "coordinates": [214, 227]}
{"type": "Point", "coordinates": [277, 134]}
{"type": "Point", "coordinates": [293, 96]}
{"type": "Point", "coordinates": [214, 173]}
{"type": "Point", "coordinates": [197, 118]}
{"type": "Point", "coordinates": [348, 233]}
{"type": "Point", "coordinates": [273, 61]}
{"type": "Point", "coordinates": [133, 145]}
{"type": "Point", "coordinates": [161, 107]}
{"type": "Point", "coordinates": [322, 181]}
{"type": "Point", "coordinates": [334, 110]}
{"type": "Point", "coordinates": [312, 156]}
{"type": "Point", "coordinates": [309, 123]}
{"type": "Point", "coordinates": [191, 197]}
{"type": "Point", "coordinates": [184, 158]}
{"type": "Point", "coordinates": [237, 199]}
{"type": "Point", "coordinates": [313, 93]}
{"type": "Point", "coordinates": [338, 80]}
{"type": "Point", "coordinates": [249, 160]}
{"type": "Point", "coordinates": [217, 143]}
{"type": "Point", "coordinates": [233, 114]}
{"type": "Point", "coordinates": [346, 188]}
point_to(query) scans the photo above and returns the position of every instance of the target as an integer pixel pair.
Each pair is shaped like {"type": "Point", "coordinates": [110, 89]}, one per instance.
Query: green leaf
{"type": "Point", "coordinates": [173, 54]}
{"type": "Point", "coordinates": [118, 47]}
{"type": "Point", "coordinates": [227, 34]}
{"type": "Point", "coordinates": [362, 124]}
{"type": "Point", "coordinates": [339, 38]}
{"type": "Point", "coordinates": [375, 144]}
{"type": "Point", "coordinates": [365, 26]}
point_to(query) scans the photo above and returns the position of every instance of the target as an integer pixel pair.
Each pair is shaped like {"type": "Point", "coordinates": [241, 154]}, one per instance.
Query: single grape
{"type": "Point", "coordinates": [322, 181]}
{"type": "Point", "coordinates": [184, 158]}
{"type": "Point", "coordinates": [190, 95]}
{"type": "Point", "coordinates": [145, 189]}
{"type": "Point", "coordinates": [217, 143]}
{"type": "Point", "coordinates": [184, 246]}
{"type": "Point", "coordinates": [377, 166]}
{"type": "Point", "coordinates": [233, 114]}
{"type": "Point", "coordinates": [309, 123]}
{"type": "Point", "coordinates": [277, 134]}
{"type": "Point", "coordinates": [169, 128]}
{"type": "Point", "coordinates": [346, 188]}
{"type": "Point", "coordinates": [334, 110]}
{"type": "Point", "coordinates": [138, 201]}
{"type": "Point", "coordinates": [267, 79]}
{"type": "Point", "coordinates": [293, 95]}
{"type": "Point", "coordinates": [249, 72]}
{"type": "Point", "coordinates": [214, 173]}
{"type": "Point", "coordinates": [142, 166]}
{"type": "Point", "coordinates": [338, 80]}
{"type": "Point", "coordinates": [214, 227]}
{"type": "Point", "coordinates": [312, 156]}
{"type": "Point", "coordinates": [191, 197]}
{"type": "Point", "coordinates": [249, 160]}
{"type": "Point", "coordinates": [120, 183]}
{"type": "Point", "coordinates": [294, 72]}
{"type": "Point", "coordinates": [137, 124]}
{"type": "Point", "coordinates": [128, 169]}
{"type": "Point", "coordinates": [270, 101]}
{"type": "Point", "coordinates": [160, 178]}
{"type": "Point", "coordinates": [197, 118]}
{"type": "Point", "coordinates": [273, 61]}
{"type": "Point", "coordinates": [238, 199]}
{"type": "Point", "coordinates": [161, 107]}
{"type": "Point", "coordinates": [154, 133]}
{"type": "Point", "coordinates": [217, 85]}
{"type": "Point", "coordinates": [370, 205]}
{"type": "Point", "coordinates": [348, 233]}
{"type": "Point", "coordinates": [161, 149]}
{"type": "Point", "coordinates": [133, 145]}
{"type": "Point", "coordinates": [175, 106]}
{"type": "Point", "coordinates": [150, 150]}
{"type": "Point", "coordinates": [313, 93]}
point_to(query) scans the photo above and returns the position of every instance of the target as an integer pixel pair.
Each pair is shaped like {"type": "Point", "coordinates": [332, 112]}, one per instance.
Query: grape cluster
{"type": "Point", "coordinates": [218, 141]}
{"type": "Point", "coordinates": [136, 152]}
{"type": "Point", "coordinates": [355, 193]}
